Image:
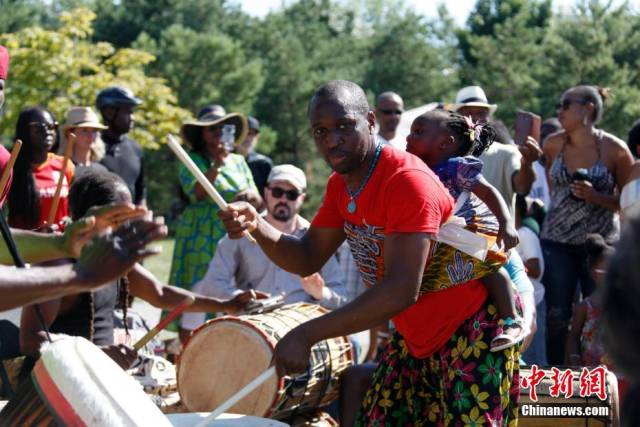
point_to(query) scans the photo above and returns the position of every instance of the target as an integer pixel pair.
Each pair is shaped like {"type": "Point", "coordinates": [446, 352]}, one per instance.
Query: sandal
{"type": "Point", "coordinates": [511, 340]}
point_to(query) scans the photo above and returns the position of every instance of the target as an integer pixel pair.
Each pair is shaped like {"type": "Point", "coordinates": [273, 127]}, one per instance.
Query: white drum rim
{"type": "Point", "coordinates": [224, 420]}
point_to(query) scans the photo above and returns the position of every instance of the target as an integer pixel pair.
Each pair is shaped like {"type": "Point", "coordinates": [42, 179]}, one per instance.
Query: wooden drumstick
{"type": "Point", "coordinates": [202, 179]}
{"type": "Point", "coordinates": [163, 323]}
{"type": "Point", "coordinates": [238, 396]}
{"type": "Point", "coordinates": [6, 173]}
{"type": "Point", "coordinates": [65, 161]}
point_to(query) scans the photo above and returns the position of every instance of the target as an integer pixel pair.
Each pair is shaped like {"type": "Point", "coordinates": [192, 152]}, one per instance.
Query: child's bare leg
{"type": "Point", "coordinates": [502, 294]}
{"type": "Point", "coordinates": [356, 380]}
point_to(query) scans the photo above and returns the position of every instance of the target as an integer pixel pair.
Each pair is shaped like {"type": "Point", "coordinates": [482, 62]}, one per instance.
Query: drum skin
{"type": "Point", "coordinates": [225, 354]}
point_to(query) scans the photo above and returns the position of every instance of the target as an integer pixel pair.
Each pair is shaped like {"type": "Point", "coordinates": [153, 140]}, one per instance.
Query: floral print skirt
{"type": "Point", "coordinates": [461, 384]}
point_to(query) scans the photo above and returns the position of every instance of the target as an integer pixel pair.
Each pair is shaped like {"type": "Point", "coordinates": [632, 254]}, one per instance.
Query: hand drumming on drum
{"type": "Point", "coordinates": [313, 285]}
{"type": "Point", "coordinates": [238, 304]}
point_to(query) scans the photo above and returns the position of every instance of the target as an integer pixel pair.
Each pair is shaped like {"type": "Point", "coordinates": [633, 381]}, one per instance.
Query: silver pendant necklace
{"type": "Point", "coordinates": [351, 206]}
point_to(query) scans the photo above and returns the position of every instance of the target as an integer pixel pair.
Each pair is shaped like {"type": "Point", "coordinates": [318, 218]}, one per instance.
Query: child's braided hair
{"type": "Point", "coordinates": [474, 138]}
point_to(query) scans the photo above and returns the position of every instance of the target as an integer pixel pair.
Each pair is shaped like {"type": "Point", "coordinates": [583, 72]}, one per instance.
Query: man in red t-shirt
{"type": "Point", "coordinates": [388, 204]}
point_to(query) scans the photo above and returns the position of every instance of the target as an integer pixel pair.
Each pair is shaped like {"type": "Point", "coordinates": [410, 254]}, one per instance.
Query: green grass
{"type": "Point", "coordinates": [160, 265]}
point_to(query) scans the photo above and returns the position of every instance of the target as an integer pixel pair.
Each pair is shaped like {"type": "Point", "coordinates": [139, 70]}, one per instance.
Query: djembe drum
{"type": "Point", "coordinates": [74, 383]}
{"type": "Point", "coordinates": [226, 353]}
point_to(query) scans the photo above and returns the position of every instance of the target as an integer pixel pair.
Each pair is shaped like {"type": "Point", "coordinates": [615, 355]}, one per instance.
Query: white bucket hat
{"type": "Point", "coordinates": [473, 96]}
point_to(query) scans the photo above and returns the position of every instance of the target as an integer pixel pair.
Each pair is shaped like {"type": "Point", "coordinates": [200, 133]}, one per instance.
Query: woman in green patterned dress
{"type": "Point", "coordinates": [199, 229]}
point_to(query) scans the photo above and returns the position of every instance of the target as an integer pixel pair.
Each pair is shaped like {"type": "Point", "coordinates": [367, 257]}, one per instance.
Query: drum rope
{"type": "Point", "coordinates": [294, 398]}
{"type": "Point", "coordinates": [283, 319]}
{"type": "Point", "coordinates": [327, 373]}
{"type": "Point", "coordinates": [321, 350]}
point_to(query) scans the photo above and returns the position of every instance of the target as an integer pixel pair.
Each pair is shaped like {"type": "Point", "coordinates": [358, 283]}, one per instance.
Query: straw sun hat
{"type": "Point", "coordinates": [82, 117]}
{"type": "Point", "coordinates": [192, 129]}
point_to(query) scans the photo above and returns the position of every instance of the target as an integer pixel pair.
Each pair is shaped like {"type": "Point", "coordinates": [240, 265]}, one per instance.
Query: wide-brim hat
{"type": "Point", "coordinates": [82, 117]}
{"type": "Point", "coordinates": [473, 96]}
{"type": "Point", "coordinates": [192, 129]}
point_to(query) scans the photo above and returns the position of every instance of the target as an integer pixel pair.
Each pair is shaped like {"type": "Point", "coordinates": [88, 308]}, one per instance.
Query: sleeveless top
{"type": "Point", "coordinates": [77, 322]}
{"type": "Point", "coordinates": [570, 220]}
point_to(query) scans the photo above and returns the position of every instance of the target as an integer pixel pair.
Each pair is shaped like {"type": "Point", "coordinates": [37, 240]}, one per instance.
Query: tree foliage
{"type": "Point", "coordinates": [62, 68]}
{"type": "Point", "coordinates": [202, 67]}
{"type": "Point", "coordinates": [121, 22]}
{"type": "Point", "coordinates": [188, 53]}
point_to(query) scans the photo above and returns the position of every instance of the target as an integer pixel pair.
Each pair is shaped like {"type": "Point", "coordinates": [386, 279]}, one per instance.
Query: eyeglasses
{"type": "Point", "coordinates": [391, 112]}
{"type": "Point", "coordinates": [566, 104]}
{"type": "Point", "coordinates": [45, 127]}
{"type": "Point", "coordinates": [278, 192]}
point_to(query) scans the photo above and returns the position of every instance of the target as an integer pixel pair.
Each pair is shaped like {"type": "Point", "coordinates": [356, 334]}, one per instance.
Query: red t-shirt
{"type": "Point", "coordinates": [402, 196]}
{"type": "Point", "coordinates": [46, 176]}
{"type": "Point", "coordinates": [4, 159]}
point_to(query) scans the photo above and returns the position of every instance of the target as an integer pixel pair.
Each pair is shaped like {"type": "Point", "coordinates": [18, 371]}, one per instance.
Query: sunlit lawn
{"type": "Point", "coordinates": [160, 264]}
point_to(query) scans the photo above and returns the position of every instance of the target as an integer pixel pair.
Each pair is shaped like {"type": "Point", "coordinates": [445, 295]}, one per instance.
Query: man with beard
{"type": "Point", "coordinates": [239, 265]}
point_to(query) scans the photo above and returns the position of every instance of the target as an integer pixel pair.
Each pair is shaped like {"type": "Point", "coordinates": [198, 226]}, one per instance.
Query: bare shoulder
{"type": "Point", "coordinates": [552, 145]}
{"type": "Point", "coordinates": [555, 141]}
{"type": "Point", "coordinates": [614, 144]}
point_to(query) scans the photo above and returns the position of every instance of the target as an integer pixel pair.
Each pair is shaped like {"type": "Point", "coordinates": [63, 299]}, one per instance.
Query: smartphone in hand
{"type": "Point", "coordinates": [527, 124]}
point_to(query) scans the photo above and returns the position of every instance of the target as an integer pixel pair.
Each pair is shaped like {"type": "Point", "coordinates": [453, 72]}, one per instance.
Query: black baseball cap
{"type": "Point", "coordinates": [254, 124]}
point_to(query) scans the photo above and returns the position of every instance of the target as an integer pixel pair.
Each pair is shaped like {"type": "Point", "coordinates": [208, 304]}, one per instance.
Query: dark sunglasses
{"type": "Point", "coordinates": [278, 192]}
{"type": "Point", "coordinates": [215, 128]}
{"type": "Point", "coordinates": [47, 127]}
{"type": "Point", "coordinates": [391, 112]}
{"type": "Point", "coordinates": [566, 104]}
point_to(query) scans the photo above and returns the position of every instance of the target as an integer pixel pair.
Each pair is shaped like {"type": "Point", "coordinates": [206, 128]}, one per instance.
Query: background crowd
{"type": "Point", "coordinates": [566, 191]}
{"type": "Point", "coordinates": [518, 51]}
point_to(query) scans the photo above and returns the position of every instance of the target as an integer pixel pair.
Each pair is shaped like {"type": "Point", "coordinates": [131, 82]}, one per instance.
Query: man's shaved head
{"type": "Point", "coordinates": [390, 96]}
{"type": "Point", "coordinates": [343, 92]}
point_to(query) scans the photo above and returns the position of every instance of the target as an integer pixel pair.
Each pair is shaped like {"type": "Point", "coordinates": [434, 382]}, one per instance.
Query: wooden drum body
{"type": "Point", "coordinates": [224, 354]}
